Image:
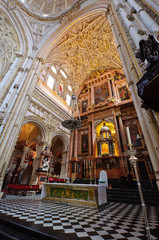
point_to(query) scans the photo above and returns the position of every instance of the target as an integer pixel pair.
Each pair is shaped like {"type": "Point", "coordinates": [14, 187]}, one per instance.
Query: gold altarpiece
{"type": "Point", "coordinates": [105, 103]}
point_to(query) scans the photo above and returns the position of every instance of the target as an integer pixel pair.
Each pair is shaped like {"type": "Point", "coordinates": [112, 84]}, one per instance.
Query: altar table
{"type": "Point", "coordinates": [86, 194]}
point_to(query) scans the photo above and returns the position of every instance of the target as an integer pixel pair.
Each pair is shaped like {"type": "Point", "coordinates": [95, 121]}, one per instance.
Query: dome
{"type": "Point", "coordinates": [104, 129]}
{"type": "Point", "coordinates": [48, 7]}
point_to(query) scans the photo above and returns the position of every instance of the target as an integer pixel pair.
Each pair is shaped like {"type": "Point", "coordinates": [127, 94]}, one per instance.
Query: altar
{"type": "Point", "coordinates": [86, 194]}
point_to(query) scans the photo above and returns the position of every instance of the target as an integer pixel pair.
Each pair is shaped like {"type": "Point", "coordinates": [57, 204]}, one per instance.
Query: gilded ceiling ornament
{"type": "Point", "coordinates": [96, 49]}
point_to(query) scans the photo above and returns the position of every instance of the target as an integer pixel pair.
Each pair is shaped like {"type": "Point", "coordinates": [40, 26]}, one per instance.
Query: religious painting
{"type": "Point", "coordinates": [134, 134]}
{"type": "Point", "coordinates": [123, 93]}
{"type": "Point", "coordinates": [84, 143]}
{"type": "Point", "coordinates": [101, 93]}
{"type": "Point", "coordinates": [84, 106]}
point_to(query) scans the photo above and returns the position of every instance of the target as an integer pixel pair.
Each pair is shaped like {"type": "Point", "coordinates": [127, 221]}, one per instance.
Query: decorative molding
{"type": "Point", "coordinates": [129, 38]}
{"type": "Point", "coordinates": [9, 44]}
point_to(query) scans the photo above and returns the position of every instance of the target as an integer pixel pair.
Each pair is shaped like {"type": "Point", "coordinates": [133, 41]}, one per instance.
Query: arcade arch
{"type": "Point", "coordinates": [59, 161]}
{"type": "Point", "coordinates": [21, 164]}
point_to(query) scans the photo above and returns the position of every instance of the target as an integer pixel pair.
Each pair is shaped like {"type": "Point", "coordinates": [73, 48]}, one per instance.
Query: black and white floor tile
{"type": "Point", "coordinates": [115, 221]}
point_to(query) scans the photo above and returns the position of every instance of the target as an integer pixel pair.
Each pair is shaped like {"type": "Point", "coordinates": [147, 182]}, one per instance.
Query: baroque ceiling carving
{"type": "Point", "coordinates": [88, 46]}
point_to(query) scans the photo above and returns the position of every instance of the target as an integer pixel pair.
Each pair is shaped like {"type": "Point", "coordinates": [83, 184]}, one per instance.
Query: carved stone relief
{"type": "Point", "coordinates": [9, 44]}
{"type": "Point", "coordinates": [50, 120]}
{"type": "Point", "coordinates": [38, 31]}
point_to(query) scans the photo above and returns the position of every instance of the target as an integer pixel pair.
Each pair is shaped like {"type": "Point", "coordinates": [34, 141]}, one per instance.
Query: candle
{"type": "Point", "coordinates": [128, 136]}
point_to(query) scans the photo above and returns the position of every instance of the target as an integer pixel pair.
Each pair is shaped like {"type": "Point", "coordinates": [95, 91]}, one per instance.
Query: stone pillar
{"type": "Point", "coordinates": [129, 23]}
{"type": "Point", "coordinates": [64, 164]}
{"type": "Point", "coordinates": [16, 111]}
{"type": "Point", "coordinates": [133, 73]}
{"type": "Point", "coordinates": [36, 163]}
{"type": "Point", "coordinates": [146, 19]}
{"type": "Point", "coordinates": [23, 163]}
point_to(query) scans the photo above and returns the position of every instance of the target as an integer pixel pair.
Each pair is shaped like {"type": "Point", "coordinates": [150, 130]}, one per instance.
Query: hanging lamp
{"type": "Point", "coordinates": [73, 123]}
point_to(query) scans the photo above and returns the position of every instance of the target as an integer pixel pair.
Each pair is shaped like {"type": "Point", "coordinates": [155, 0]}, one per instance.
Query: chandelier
{"type": "Point", "coordinates": [73, 123]}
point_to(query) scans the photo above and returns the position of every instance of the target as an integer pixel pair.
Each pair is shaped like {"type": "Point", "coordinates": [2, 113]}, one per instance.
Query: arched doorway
{"type": "Point", "coordinates": [57, 149]}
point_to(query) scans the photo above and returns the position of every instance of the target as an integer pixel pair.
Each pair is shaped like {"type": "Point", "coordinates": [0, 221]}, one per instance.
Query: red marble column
{"type": "Point", "coordinates": [117, 133]}
{"type": "Point", "coordinates": [93, 138]}
{"type": "Point", "coordinates": [76, 143]}
{"type": "Point", "coordinates": [90, 138]}
{"type": "Point", "coordinates": [122, 133]}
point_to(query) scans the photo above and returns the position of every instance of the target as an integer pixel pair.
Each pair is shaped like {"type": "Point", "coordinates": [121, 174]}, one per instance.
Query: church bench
{"type": "Point", "coordinates": [21, 188]}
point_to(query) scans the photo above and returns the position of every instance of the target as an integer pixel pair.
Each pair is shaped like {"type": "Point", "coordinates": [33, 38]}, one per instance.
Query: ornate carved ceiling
{"type": "Point", "coordinates": [47, 8]}
{"type": "Point", "coordinates": [88, 46]}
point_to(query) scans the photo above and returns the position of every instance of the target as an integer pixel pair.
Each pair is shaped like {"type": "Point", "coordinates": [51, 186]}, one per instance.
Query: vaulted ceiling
{"type": "Point", "coordinates": [87, 47]}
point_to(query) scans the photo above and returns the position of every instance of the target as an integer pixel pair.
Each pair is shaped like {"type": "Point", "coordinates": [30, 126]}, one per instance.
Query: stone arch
{"type": "Point", "coordinates": [63, 137]}
{"type": "Point", "coordinates": [38, 122]}
{"type": "Point", "coordinates": [59, 148]}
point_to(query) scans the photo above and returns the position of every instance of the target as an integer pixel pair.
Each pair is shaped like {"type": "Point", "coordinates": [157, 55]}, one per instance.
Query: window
{"type": "Point", "coordinates": [68, 99]}
{"type": "Point", "coordinates": [50, 82]}
{"type": "Point", "coordinates": [53, 69]}
{"type": "Point", "coordinates": [62, 72]}
{"type": "Point", "coordinates": [69, 88]}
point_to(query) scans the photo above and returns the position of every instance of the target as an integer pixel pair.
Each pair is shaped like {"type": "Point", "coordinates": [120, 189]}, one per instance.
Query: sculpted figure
{"type": "Point", "coordinates": [149, 50]}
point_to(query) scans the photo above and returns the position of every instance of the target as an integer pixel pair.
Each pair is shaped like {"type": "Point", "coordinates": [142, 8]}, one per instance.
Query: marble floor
{"type": "Point", "coordinates": [114, 221]}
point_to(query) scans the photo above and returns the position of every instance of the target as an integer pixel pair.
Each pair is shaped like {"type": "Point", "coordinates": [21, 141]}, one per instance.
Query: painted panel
{"type": "Point", "coordinates": [101, 93]}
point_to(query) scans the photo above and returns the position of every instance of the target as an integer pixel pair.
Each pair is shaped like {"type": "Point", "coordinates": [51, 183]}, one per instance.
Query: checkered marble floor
{"type": "Point", "coordinates": [115, 221]}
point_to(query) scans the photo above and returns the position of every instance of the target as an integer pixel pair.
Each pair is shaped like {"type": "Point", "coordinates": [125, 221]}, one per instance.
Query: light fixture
{"type": "Point", "coordinates": [73, 123]}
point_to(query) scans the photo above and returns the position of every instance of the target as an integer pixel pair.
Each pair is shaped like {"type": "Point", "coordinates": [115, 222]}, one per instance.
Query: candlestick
{"type": "Point", "coordinates": [128, 135]}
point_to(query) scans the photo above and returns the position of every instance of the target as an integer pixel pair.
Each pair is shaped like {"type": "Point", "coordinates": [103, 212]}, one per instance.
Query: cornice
{"type": "Point", "coordinates": [48, 103]}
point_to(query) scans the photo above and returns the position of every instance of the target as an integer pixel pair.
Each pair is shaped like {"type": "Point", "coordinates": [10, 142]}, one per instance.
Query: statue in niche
{"type": "Point", "coordinates": [46, 159]}
{"type": "Point", "coordinates": [45, 163]}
